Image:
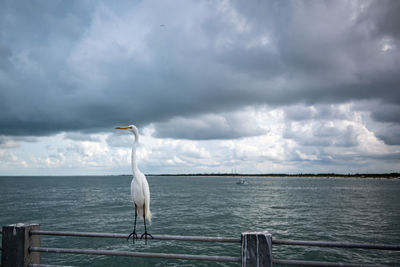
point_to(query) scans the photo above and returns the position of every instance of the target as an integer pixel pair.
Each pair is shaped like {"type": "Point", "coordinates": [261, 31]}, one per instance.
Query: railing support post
{"type": "Point", "coordinates": [256, 249]}
{"type": "Point", "coordinates": [16, 241]}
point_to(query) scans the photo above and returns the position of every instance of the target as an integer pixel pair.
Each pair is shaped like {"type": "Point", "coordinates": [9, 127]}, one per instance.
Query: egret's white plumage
{"type": "Point", "coordinates": [140, 191]}
{"type": "Point", "coordinates": [141, 195]}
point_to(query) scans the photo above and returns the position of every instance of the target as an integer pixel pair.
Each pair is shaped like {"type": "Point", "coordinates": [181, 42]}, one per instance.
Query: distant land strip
{"type": "Point", "coordinates": [337, 175]}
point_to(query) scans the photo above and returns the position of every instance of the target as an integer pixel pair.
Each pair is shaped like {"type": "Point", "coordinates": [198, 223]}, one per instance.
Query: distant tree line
{"type": "Point", "coordinates": [354, 175]}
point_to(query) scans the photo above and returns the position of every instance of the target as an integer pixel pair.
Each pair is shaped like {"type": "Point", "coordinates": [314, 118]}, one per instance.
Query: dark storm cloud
{"type": "Point", "coordinates": [209, 127]}
{"type": "Point", "coordinates": [90, 66]}
{"type": "Point", "coordinates": [322, 135]}
{"type": "Point", "coordinates": [389, 134]}
{"type": "Point", "coordinates": [385, 113]}
{"type": "Point", "coordinates": [385, 17]}
{"type": "Point", "coordinates": [318, 112]}
{"type": "Point", "coordinates": [388, 128]}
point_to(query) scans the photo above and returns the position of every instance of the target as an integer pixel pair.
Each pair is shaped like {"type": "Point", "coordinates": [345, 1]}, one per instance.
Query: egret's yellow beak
{"type": "Point", "coordinates": [124, 128]}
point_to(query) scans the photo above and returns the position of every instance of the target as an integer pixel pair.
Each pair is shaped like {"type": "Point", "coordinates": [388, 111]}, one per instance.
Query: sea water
{"type": "Point", "coordinates": [328, 209]}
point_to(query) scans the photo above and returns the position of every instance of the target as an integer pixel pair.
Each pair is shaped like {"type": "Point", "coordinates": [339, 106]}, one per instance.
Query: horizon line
{"type": "Point", "coordinates": [328, 174]}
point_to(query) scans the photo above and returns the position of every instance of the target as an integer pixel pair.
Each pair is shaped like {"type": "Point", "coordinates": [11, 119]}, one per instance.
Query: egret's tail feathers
{"type": "Point", "coordinates": [148, 213]}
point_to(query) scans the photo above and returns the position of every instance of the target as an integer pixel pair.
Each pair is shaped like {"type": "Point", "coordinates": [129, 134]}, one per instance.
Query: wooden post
{"type": "Point", "coordinates": [16, 242]}
{"type": "Point", "coordinates": [256, 249]}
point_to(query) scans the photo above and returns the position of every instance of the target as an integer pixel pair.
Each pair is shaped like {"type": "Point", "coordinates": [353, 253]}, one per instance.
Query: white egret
{"type": "Point", "coordinates": [140, 191]}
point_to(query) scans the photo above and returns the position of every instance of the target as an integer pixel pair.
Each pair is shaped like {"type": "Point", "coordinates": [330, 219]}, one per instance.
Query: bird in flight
{"type": "Point", "coordinates": [140, 191]}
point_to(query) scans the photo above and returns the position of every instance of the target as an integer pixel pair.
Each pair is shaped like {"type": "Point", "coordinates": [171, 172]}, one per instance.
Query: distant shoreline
{"type": "Point", "coordinates": [394, 175]}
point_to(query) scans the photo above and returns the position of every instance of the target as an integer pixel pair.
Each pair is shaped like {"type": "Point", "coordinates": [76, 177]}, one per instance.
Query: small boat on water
{"type": "Point", "coordinates": [242, 181]}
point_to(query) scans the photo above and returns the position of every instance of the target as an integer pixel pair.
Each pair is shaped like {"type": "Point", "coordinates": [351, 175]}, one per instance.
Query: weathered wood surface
{"type": "Point", "coordinates": [256, 249]}
{"type": "Point", "coordinates": [16, 242]}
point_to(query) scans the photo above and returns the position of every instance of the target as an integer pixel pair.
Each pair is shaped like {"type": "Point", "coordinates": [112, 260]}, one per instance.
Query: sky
{"type": "Point", "coordinates": [213, 86]}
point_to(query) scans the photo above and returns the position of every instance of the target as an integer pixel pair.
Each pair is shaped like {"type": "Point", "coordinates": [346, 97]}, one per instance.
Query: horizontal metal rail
{"type": "Point", "coordinates": [156, 237]}
{"type": "Point", "coordinates": [47, 265]}
{"type": "Point", "coordinates": [224, 239]}
{"type": "Point", "coordinates": [334, 244]}
{"type": "Point", "coordinates": [136, 254]}
{"type": "Point", "coordinates": [322, 263]}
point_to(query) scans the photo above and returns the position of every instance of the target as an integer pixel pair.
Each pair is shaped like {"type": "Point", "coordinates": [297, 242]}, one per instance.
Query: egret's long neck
{"type": "Point", "coordinates": [133, 158]}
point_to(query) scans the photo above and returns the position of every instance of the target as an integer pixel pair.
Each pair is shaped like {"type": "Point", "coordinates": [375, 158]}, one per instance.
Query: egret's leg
{"type": "Point", "coordinates": [145, 234]}
{"type": "Point", "coordinates": [133, 234]}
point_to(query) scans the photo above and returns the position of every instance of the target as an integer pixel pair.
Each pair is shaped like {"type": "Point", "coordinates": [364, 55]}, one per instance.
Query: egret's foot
{"type": "Point", "coordinates": [134, 236]}
{"type": "Point", "coordinates": [145, 234]}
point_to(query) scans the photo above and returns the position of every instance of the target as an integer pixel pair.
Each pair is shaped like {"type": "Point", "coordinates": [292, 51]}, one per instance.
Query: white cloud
{"type": "Point", "coordinates": [321, 140]}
